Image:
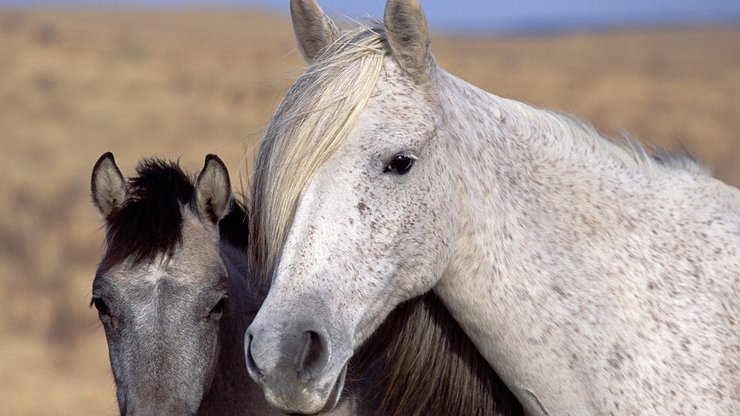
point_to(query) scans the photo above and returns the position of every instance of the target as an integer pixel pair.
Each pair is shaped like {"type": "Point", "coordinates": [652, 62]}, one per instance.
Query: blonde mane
{"type": "Point", "coordinates": [631, 151]}
{"type": "Point", "coordinates": [311, 123]}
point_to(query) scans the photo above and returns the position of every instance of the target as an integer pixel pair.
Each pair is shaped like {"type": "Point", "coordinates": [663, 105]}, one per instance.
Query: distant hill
{"type": "Point", "coordinates": [494, 16]}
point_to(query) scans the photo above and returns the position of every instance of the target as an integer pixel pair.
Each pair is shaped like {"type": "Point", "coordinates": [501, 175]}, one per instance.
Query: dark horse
{"type": "Point", "coordinates": [172, 310]}
{"type": "Point", "coordinates": [175, 294]}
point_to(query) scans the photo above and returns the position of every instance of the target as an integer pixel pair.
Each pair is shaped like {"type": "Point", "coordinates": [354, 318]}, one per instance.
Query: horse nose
{"type": "Point", "coordinates": [301, 353]}
{"type": "Point", "coordinates": [254, 371]}
{"type": "Point", "coordinates": [313, 355]}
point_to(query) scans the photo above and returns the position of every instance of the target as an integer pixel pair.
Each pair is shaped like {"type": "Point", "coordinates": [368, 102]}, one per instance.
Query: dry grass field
{"type": "Point", "coordinates": [75, 84]}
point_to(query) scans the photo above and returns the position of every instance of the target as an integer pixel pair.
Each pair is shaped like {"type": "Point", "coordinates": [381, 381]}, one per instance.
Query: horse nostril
{"type": "Point", "coordinates": [312, 356]}
{"type": "Point", "coordinates": [252, 368]}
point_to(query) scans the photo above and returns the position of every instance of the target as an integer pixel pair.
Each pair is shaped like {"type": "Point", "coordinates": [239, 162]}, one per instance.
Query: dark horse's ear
{"type": "Point", "coordinates": [408, 35]}
{"type": "Point", "coordinates": [313, 29]}
{"type": "Point", "coordinates": [108, 186]}
{"type": "Point", "coordinates": [212, 195]}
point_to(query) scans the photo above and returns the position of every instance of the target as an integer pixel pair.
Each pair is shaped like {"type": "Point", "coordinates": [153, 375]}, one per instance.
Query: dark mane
{"type": "Point", "coordinates": [150, 221]}
{"type": "Point", "coordinates": [420, 362]}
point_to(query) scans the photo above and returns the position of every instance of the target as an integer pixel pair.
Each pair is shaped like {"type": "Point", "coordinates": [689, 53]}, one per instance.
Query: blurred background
{"type": "Point", "coordinates": [179, 79]}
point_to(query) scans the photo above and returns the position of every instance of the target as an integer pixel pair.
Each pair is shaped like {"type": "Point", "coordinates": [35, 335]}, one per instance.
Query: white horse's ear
{"type": "Point", "coordinates": [408, 35]}
{"type": "Point", "coordinates": [212, 195]}
{"type": "Point", "coordinates": [313, 29]}
{"type": "Point", "coordinates": [108, 186]}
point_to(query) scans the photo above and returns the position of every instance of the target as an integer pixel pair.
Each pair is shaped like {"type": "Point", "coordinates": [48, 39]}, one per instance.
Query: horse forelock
{"type": "Point", "coordinates": [150, 221]}
{"type": "Point", "coordinates": [310, 124]}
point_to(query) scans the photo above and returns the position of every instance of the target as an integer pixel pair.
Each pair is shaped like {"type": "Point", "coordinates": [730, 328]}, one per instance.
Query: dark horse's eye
{"type": "Point", "coordinates": [218, 310]}
{"type": "Point", "coordinates": [400, 164]}
{"type": "Point", "coordinates": [101, 306]}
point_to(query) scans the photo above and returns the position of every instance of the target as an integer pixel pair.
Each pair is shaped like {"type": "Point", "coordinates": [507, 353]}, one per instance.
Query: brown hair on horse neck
{"type": "Point", "coordinates": [422, 363]}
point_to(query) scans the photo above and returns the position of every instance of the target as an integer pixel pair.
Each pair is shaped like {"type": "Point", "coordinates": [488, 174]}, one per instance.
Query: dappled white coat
{"type": "Point", "coordinates": [595, 278]}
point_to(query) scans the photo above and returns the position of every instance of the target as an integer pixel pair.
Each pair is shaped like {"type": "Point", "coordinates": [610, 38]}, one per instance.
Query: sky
{"type": "Point", "coordinates": [482, 15]}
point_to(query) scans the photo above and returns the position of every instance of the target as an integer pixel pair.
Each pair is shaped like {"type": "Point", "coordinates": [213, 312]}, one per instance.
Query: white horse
{"type": "Point", "coordinates": [595, 278]}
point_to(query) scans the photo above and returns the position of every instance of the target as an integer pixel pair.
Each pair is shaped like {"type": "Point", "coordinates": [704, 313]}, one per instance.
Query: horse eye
{"type": "Point", "coordinates": [218, 310]}
{"type": "Point", "coordinates": [100, 305]}
{"type": "Point", "coordinates": [400, 164]}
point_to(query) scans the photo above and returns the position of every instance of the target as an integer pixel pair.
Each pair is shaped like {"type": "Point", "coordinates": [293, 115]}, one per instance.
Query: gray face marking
{"type": "Point", "coordinates": [162, 287]}
{"type": "Point", "coordinates": [162, 336]}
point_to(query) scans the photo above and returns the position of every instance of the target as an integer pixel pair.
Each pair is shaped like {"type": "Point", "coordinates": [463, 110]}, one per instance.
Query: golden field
{"type": "Point", "coordinates": [74, 84]}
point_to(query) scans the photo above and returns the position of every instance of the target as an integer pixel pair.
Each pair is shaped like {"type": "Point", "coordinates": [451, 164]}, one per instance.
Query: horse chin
{"type": "Point", "coordinates": [310, 404]}
{"type": "Point", "coordinates": [336, 392]}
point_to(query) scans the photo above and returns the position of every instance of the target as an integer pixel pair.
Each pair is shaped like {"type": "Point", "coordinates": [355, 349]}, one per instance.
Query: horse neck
{"type": "Point", "coordinates": [519, 167]}
{"type": "Point", "coordinates": [514, 163]}
{"type": "Point", "coordinates": [232, 392]}
{"type": "Point", "coordinates": [564, 244]}
{"type": "Point", "coordinates": [512, 137]}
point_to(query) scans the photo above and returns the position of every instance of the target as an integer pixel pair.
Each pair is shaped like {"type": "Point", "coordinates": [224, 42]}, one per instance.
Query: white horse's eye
{"type": "Point", "coordinates": [400, 164]}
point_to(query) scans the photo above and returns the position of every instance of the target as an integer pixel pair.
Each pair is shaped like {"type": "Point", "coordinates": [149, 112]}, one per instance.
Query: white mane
{"type": "Point", "coordinates": [334, 89]}
{"type": "Point", "coordinates": [625, 148]}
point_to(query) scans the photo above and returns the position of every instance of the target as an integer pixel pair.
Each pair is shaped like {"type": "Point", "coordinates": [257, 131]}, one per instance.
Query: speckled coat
{"type": "Point", "coordinates": [595, 278]}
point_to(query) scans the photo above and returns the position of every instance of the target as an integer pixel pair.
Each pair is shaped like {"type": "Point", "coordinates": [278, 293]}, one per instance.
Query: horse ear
{"type": "Point", "coordinates": [313, 29]}
{"type": "Point", "coordinates": [108, 186]}
{"type": "Point", "coordinates": [408, 35]}
{"type": "Point", "coordinates": [212, 195]}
